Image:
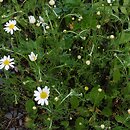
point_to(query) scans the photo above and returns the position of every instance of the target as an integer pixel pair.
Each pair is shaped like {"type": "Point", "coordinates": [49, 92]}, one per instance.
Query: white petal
{"type": "Point", "coordinates": [12, 59]}
{"type": "Point", "coordinates": [15, 28]}
{"type": "Point", "coordinates": [14, 22]}
{"type": "Point", "coordinates": [8, 57]}
{"type": "Point", "coordinates": [7, 24]}
{"type": "Point", "coordinates": [11, 31]}
{"type": "Point", "coordinates": [39, 102]}
{"type": "Point", "coordinates": [46, 102]}
{"type": "Point", "coordinates": [1, 66]}
{"type": "Point", "coordinates": [5, 57]}
{"type": "Point", "coordinates": [39, 89]}
{"type": "Point", "coordinates": [42, 102]}
{"type": "Point", "coordinates": [36, 93]}
{"type": "Point", "coordinates": [46, 90]}
{"type": "Point", "coordinates": [11, 65]}
{"type": "Point", "coordinates": [37, 98]}
{"type": "Point", "coordinates": [6, 67]}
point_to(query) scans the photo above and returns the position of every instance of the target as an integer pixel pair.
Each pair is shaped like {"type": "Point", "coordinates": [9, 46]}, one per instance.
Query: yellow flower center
{"type": "Point", "coordinates": [43, 95]}
{"type": "Point", "coordinates": [11, 26]}
{"type": "Point", "coordinates": [6, 62]}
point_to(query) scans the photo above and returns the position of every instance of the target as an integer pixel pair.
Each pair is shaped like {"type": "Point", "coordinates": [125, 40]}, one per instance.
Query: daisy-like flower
{"type": "Point", "coordinates": [41, 96]}
{"type": "Point", "coordinates": [32, 56]}
{"type": "Point", "coordinates": [10, 26]}
{"type": "Point", "coordinates": [6, 62]}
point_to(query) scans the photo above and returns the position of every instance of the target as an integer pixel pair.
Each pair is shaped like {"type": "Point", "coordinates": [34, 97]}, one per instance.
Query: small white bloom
{"type": "Point", "coordinates": [47, 27]}
{"type": "Point", "coordinates": [88, 62]}
{"type": "Point", "coordinates": [32, 56]}
{"type": "Point", "coordinates": [84, 38]}
{"type": "Point", "coordinates": [1, 0]}
{"type": "Point", "coordinates": [48, 118]}
{"type": "Point", "coordinates": [109, 1]}
{"type": "Point", "coordinates": [99, 90]}
{"type": "Point", "coordinates": [71, 118]}
{"type": "Point", "coordinates": [112, 36]}
{"type": "Point", "coordinates": [56, 99]}
{"type": "Point", "coordinates": [73, 18]}
{"type": "Point", "coordinates": [98, 26]}
{"type": "Point", "coordinates": [79, 57]}
{"type": "Point", "coordinates": [128, 111]}
{"type": "Point", "coordinates": [10, 26]}
{"type": "Point", "coordinates": [80, 17]}
{"type": "Point", "coordinates": [98, 13]}
{"type": "Point", "coordinates": [51, 2]}
{"type": "Point", "coordinates": [40, 80]}
{"type": "Point", "coordinates": [41, 96]}
{"type": "Point", "coordinates": [6, 62]}
{"type": "Point", "coordinates": [34, 108]}
{"type": "Point", "coordinates": [80, 123]}
{"type": "Point", "coordinates": [102, 126]}
{"type": "Point", "coordinates": [81, 47]}
{"type": "Point", "coordinates": [31, 19]}
{"type": "Point", "coordinates": [64, 31]}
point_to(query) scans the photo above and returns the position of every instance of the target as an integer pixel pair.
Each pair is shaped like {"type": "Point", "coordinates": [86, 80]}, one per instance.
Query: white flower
{"type": "Point", "coordinates": [31, 19]}
{"type": "Point", "coordinates": [112, 36]}
{"type": "Point", "coordinates": [51, 2]}
{"type": "Point", "coordinates": [32, 56]}
{"type": "Point", "coordinates": [73, 18]}
{"type": "Point", "coordinates": [56, 99]}
{"type": "Point", "coordinates": [64, 31]}
{"type": "Point", "coordinates": [98, 13]}
{"type": "Point", "coordinates": [10, 26]}
{"type": "Point", "coordinates": [41, 96]}
{"type": "Point", "coordinates": [99, 90]}
{"type": "Point", "coordinates": [98, 26]}
{"type": "Point", "coordinates": [128, 111]}
{"type": "Point", "coordinates": [34, 108]}
{"type": "Point", "coordinates": [80, 18]}
{"type": "Point", "coordinates": [80, 123]}
{"type": "Point", "coordinates": [109, 1]}
{"type": "Point", "coordinates": [79, 57]}
{"type": "Point", "coordinates": [1, 0]}
{"type": "Point", "coordinates": [102, 126]}
{"type": "Point", "coordinates": [88, 62]}
{"type": "Point", "coordinates": [47, 27]}
{"type": "Point", "coordinates": [6, 62]}
{"type": "Point", "coordinates": [81, 47]}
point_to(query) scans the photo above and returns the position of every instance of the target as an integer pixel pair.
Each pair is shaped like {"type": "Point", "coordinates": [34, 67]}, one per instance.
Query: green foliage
{"type": "Point", "coordinates": [82, 54]}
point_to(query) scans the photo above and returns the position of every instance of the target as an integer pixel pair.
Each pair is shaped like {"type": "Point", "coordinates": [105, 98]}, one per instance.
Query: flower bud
{"type": "Point", "coordinates": [51, 2]}
{"type": "Point", "coordinates": [32, 19]}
